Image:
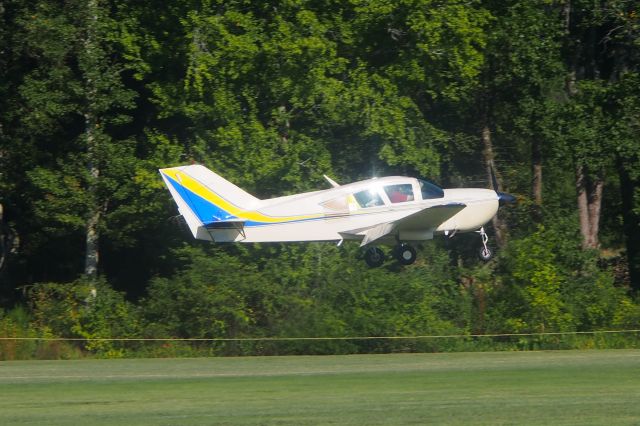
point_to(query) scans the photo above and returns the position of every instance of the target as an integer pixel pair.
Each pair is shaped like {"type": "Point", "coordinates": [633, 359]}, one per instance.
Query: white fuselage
{"type": "Point", "coordinates": [341, 213]}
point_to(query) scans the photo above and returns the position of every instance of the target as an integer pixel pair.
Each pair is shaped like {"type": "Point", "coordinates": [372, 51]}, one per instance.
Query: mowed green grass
{"type": "Point", "coordinates": [558, 387]}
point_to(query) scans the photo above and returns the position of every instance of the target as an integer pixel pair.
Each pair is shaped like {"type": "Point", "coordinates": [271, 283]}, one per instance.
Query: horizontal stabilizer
{"type": "Point", "coordinates": [226, 230]}
{"type": "Point", "coordinates": [226, 224]}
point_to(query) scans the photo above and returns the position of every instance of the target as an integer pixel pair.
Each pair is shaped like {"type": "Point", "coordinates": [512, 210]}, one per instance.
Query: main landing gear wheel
{"type": "Point", "coordinates": [485, 252]}
{"type": "Point", "coordinates": [405, 254]}
{"type": "Point", "coordinates": [374, 257]}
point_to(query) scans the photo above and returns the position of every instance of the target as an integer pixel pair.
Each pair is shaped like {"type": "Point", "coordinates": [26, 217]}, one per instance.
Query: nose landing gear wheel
{"type": "Point", "coordinates": [484, 253]}
{"type": "Point", "coordinates": [405, 254]}
{"type": "Point", "coordinates": [374, 257]}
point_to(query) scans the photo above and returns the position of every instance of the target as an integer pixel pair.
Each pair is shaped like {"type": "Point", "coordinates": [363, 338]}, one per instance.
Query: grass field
{"type": "Point", "coordinates": [560, 387]}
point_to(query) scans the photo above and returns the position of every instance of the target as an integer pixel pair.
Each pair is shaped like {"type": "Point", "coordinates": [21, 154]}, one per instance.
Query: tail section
{"type": "Point", "coordinates": [205, 199]}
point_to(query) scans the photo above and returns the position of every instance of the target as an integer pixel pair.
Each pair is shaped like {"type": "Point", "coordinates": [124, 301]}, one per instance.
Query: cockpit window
{"type": "Point", "coordinates": [368, 198]}
{"type": "Point", "coordinates": [399, 193]}
{"type": "Point", "coordinates": [430, 190]}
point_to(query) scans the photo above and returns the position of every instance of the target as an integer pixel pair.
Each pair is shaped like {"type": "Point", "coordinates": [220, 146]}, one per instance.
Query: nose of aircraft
{"type": "Point", "coordinates": [504, 198]}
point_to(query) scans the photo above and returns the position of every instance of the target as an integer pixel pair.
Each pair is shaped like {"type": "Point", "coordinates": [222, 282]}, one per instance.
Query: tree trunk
{"type": "Point", "coordinates": [499, 226]}
{"type": "Point", "coordinates": [583, 209]}
{"type": "Point", "coordinates": [284, 125]}
{"type": "Point", "coordinates": [589, 206]}
{"type": "Point", "coordinates": [536, 170]}
{"type": "Point", "coordinates": [92, 252]}
{"type": "Point", "coordinates": [92, 234]}
{"type": "Point", "coordinates": [594, 198]}
{"type": "Point", "coordinates": [589, 186]}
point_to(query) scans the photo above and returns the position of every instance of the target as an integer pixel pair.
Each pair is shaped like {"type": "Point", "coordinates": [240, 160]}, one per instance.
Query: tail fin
{"type": "Point", "coordinates": [204, 198]}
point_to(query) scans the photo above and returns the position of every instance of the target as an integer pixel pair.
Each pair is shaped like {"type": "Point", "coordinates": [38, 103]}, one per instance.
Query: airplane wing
{"type": "Point", "coordinates": [377, 232]}
{"type": "Point", "coordinates": [428, 218]}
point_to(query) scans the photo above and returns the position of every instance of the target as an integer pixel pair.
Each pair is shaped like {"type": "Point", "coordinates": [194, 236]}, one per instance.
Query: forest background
{"type": "Point", "coordinates": [96, 95]}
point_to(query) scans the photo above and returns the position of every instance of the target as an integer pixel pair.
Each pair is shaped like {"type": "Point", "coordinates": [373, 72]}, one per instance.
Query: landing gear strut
{"type": "Point", "coordinates": [374, 257]}
{"type": "Point", "coordinates": [484, 252]}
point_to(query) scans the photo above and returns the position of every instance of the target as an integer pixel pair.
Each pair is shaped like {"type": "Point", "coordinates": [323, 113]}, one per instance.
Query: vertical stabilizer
{"type": "Point", "coordinates": [204, 198]}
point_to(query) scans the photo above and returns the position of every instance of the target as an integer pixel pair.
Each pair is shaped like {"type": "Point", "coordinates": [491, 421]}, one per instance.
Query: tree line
{"type": "Point", "coordinates": [96, 95]}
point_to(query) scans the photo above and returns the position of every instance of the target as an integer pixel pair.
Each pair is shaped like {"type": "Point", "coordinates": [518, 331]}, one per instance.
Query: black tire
{"type": "Point", "coordinates": [405, 254]}
{"type": "Point", "coordinates": [374, 257]}
{"type": "Point", "coordinates": [485, 254]}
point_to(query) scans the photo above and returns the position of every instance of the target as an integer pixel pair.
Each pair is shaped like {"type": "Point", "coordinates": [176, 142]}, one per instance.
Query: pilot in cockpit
{"type": "Point", "coordinates": [401, 194]}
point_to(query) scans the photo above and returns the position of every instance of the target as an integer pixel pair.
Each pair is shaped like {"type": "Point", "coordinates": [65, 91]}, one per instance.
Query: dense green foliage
{"type": "Point", "coordinates": [96, 95]}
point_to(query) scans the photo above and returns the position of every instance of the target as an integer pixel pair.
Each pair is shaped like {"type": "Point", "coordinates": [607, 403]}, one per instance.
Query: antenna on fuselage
{"type": "Point", "coordinates": [331, 181]}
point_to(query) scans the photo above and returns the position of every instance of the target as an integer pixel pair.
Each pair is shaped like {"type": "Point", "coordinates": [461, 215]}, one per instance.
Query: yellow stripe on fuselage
{"type": "Point", "coordinates": [206, 193]}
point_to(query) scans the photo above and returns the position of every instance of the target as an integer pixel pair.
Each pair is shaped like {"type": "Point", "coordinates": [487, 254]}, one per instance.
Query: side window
{"type": "Point", "coordinates": [429, 190]}
{"type": "Point", "coordinates": [368, 198]}
{"type": "Point", "coordinates": [336, 205]}
{"type": "Point", "coordinates": [399, 193]}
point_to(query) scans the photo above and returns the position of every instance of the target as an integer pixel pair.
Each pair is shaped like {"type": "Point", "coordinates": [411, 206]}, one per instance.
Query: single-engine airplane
{"type": "Point", "coordinates": [388, 210]}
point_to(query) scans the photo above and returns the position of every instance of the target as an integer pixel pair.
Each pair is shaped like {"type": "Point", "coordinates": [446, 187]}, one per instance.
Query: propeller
{"type": "Point", "coordinates": [503, 197]}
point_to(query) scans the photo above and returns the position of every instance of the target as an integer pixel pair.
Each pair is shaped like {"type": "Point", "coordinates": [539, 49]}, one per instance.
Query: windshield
{"type": "Point", "coordinates": [430, 190]}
